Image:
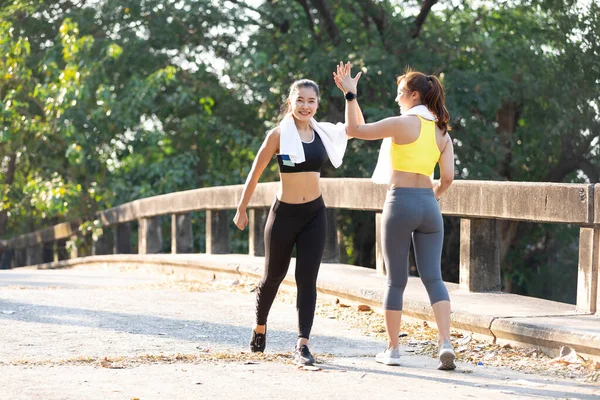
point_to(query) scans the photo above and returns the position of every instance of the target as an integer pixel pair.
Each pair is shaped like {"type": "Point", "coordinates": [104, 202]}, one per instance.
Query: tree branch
{"type": "Point", "coordinates": [568, 161]}
{"type": "Point", "coordinates": [592, 172]}
{"type": "Point", "coordinates": [379, 17]}
{"type": "Point", "coordinates": [571, 156]}
{"type": "Point", "coordinates": [311, 22]}
{"type": "Point", "coordinates": [425, 9]}
{"type": "Point", "coordinates": [330, 26]}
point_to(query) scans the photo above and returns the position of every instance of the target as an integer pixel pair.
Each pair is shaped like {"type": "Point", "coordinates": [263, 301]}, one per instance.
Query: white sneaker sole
{"type": "Point", "coordinates": [388, 361]}
{"type": "Point", "coordinates": [447, 358]}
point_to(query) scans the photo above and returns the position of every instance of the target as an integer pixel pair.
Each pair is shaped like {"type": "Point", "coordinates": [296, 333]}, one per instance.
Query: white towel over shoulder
{"type": "Point", "coordinates": [333, 137]}
{"type": "Point", "coordinates": [383, 169]}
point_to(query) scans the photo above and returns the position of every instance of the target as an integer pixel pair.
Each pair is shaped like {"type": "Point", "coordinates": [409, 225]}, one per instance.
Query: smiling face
{"type": "Point", "coordinates": [304, 103]}
{"type": "Point", "coordinates": [406, 98]}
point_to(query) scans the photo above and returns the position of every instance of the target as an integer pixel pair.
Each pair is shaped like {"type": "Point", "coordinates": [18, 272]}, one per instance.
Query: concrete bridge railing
{"type": "Point", "coordinates": [479, 204]}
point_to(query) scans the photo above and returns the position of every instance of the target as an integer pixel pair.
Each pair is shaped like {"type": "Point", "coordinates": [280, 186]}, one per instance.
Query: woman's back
{"type": "Point", "coordinates": [416, 149]}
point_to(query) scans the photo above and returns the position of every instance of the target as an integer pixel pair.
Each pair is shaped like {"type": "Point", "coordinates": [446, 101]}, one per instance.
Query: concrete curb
{"type": "Point", "coordinates": [551, 325]}
{"type": "Point", "coordinates": [548, 336]}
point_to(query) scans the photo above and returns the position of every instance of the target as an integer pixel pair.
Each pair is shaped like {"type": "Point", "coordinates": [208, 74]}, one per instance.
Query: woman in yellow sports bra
{"type": "Point", "coordinates": [413, 144]}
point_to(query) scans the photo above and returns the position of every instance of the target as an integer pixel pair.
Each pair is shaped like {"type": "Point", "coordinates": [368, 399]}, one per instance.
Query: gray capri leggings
{"type": "Point", "coordinates": [412, 213]}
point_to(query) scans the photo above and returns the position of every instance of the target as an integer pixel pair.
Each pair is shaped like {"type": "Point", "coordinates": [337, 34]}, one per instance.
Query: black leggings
{"type": "Point", "coordinates": [305, 226]}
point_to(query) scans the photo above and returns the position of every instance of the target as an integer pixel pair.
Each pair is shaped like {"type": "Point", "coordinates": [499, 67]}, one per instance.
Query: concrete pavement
{"type": "Point", "coordinates": [55, 326]}
{"type": "Point", "coordinates": [501, 317]}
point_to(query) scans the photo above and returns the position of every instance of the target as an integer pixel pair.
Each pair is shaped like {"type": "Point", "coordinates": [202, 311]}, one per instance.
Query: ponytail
{"type": "Point", "coordinates": [431, 92]}
{"type": "Point", "coordinates": [286, 108]}
{"type": "Point", "coordinates": [435, 100]}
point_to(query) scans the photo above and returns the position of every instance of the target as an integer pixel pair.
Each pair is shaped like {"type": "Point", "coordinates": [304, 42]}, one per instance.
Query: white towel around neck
{"type": "Point", "coordinates": [333, 137]}
{"type": "Point", "coordinates": [383, 169]}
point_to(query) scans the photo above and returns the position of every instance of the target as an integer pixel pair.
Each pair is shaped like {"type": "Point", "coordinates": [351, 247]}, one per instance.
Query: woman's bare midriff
{"type": "Point", "coordinates": [410, 180]}
{"type": "Point", "coordinates": [299, 187]}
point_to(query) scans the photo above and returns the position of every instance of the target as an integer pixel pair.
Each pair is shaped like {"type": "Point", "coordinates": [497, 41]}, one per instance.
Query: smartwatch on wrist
{"type": "Point", "coordinates": [350, 96]}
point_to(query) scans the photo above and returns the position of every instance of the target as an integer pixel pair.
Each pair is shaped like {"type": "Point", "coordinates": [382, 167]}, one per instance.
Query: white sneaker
{"type": "Point", "coordinates": [446, 356]}
{"type": "Point", "coordinates": [389, 357]}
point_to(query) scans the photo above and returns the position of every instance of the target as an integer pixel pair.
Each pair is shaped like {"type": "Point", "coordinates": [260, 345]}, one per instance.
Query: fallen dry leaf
{"type": "Point", "coordinates": [465, 340]}
{"type": "Point", "coordinates": [462, 349]}
{"type": "Point", "coordinates": [106, 363]}
{"type": "Point", "coordinates": [363, 307]}
{"type": "Point", "coordinates": [591, 364]}
{"type": "Point", "coordinates": [308, 368]}
{"type": "Point", "coordinates": [371, 324]}
{"type": "Point", "coordinates": [567, 356]}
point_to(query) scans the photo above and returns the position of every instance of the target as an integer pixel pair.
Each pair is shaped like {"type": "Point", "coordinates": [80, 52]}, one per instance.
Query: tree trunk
{"type": "Point", "coordinates": [420, 20]}
{"type": "Point", "coordinates": [379, 17]}
{"type": "Point", "coordinates": [507, 118]}
{"type": "Point", "coordinates": [10, 177]}
{"type": "Point", "coordinates": [330, 26]}
{"type": "Point", "coordinates": [311, 23]}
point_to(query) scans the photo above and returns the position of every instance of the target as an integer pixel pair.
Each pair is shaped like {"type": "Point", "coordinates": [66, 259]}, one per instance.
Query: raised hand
{"type": "Point", "coordinates": [336, 79]}
{"type": "Point", "coordinates": [343, 78]}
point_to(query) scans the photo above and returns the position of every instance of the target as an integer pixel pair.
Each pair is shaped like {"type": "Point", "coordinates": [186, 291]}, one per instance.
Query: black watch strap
{"type": "Point", "coordinates": [350, 96]}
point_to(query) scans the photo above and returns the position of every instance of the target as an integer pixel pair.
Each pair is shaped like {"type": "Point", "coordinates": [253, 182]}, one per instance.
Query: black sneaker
{"type": "Point", "coordinates": [258, 342]}
{"type": "Point", "coordinates": [302, 356]}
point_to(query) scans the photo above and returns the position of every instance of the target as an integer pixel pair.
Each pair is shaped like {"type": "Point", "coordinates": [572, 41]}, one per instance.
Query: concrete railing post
{"type": "Point", "coordinates": [182, 237]}
{"type": "Point", "coordinates": [6, 258]}
{"type": "Point", "coordinates": [122, 238]}
{"type": "Point", "coordinates": [103, 244]}
{"type": "Point", "coordinates": [379, 263]}
{"type": "Point", "coordinates": [61, 249]}
{"type": "Point", "coordinates": [587, 276]}
{"type": "Point", "coordinates": [257, 219]}
{"type": "Point", "coordinates": [34, 255]}
{"type": "Point", "coordinates": [217, 232]}
{"type": "Point", "coordinates": [149, 235]}
{"type": "Point", "coordinates": [479, 255]}
{"type": "Point", "coordinates": [332, 247]}
{"type": "Point", "coordinates": [598, 292]}
{"type": "Point", "coordinates": [75, 248]}
{"type": "Point", "coordinates": [48, 252]}
{"type": "Point", "coordinates": [20, 258]}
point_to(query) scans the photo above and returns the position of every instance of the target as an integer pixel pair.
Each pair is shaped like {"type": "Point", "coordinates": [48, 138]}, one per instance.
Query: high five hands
{"type": "Point", "coordinates": [343, 78]}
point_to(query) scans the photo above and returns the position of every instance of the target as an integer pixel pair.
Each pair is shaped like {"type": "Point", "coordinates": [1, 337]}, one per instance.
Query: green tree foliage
{"type": "Point", "coordinates": [522, 88]}
{"type": "Point", "coordinates": [100, 107]}
{"type": "Point", "coordinates": [109, 101]}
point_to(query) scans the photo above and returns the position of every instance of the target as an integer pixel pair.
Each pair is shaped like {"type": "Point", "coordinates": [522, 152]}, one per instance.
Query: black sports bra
{"type": "Point", "coordinates": [315, 157]}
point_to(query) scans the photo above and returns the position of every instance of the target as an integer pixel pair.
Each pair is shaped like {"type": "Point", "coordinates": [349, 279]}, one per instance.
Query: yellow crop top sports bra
{"type": "Point", "coordinates": [420, 156]}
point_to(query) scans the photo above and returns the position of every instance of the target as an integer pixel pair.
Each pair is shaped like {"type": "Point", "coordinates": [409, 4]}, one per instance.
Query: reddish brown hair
{"type": "Point", "coordinates": [431, 93]}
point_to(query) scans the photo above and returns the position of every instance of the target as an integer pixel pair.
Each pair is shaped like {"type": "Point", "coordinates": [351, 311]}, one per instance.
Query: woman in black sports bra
{"type": "Point", "coordinates": [297, 217]}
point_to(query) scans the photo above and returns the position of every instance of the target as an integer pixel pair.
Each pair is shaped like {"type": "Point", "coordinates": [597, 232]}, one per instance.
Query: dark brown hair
{"type": "Point", "coordinates": [431, 93]}
{"type": "Point", "coordinates": [294, 88]}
